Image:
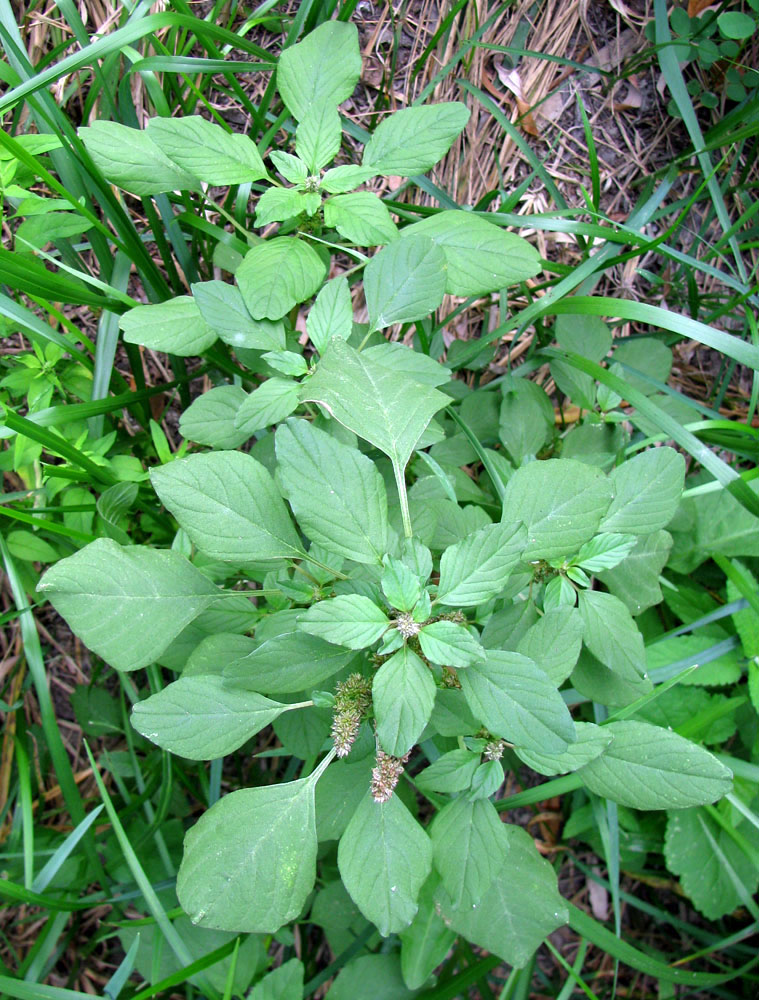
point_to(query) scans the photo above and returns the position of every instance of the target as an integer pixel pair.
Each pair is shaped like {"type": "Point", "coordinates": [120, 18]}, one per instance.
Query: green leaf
{"type": "Point", "coordinates": [347, 620]}
{"type": "Point", "coordinates": [336, 492]}
{"type": "Point", "coordinates": [611, 635]}
{"type": "Point", "coordinates": [468, 849]}
{"type": "Point", "coordinates": [386, 408]}
{"type": "Point", "coordinates": [412, 140]}
{"type": "Point", "coordinates": [635, 581]}
{"type": "Point", "coordinates": [339, 792]}
{"type": "Point", "coordinates": [746, 621]}
{"type": "Point", "coordinates": [207, 150]}
{"type": "Point", "coordinates": [647, 491]}
{"type": "Point", "coordinates": [510, 922]}
{"type": "Point", "coordinates": [337, 180]}
{"type": "Point", "coordinates": [382, 971]}
{"type": "Point", "coordinates": [202, 717]}
{"type": "Point", "coordinates": [403, 694]}
{"type": "Point", "coordinates": [526, 420]}
{"type": "Point", "coordinates": [559, 593]}
{"type": "Point", "coordinates": [317, 138]}
{"type": "Point", "coordinates": [278, 274]}
{"type": "Point", "coordinates": [127, 604]}
{"type": "Point", "coordinates": [229, 506]}
{"type": "Point", "coordinates": [361, 218]}
{"type": "Point", "coordinates": [515, 700]}
{"type": "Point", "coordinates": [646, 767]}
{"type": "Point", "coordinates": [284, 983]}
{"type": "Point", "coordinates": [604, 552]}
{"type": "Point", "coordinates": [384, 858]}
{"type": "Point", "coordinates": [288, 663]}
{"type": "Point", "coordinates": [213, 653]}
{"type": "Point", "coordinates": [400, 585]}
{"type": "Point", "coordinates": [591, 743]}
{"type": "Point", "coordinates": [292, 168]}
{"type": "Point", "coordinates": [211, 418]}
{"type": "Point", "coordinates": [323, 69]}
{"type": "Point", "coordinates": [129, 158]}
{"type": "Point", "coordinates": [600, 683]}
{"type": "Point", "coordinates": [451, 772]}
{"type": "Point", "coordinates": [273, 401]}
{"type": "Point", "coordinates": [250, 861]}
{"type": "Point", "coordinates": [481, 256]}
{"type": "Point", "coordinates": [562, 503]}
{"type": "Point", "coordinates": [278, 204]}
{"type": "Point", "coordinates": [735, 24]}
{"type": "Point", "coordinates": [404, 282]}
{"type": "Point", "coordinates": [554, 642]}
{"type": "Point", "coordinates": [331, 315]}
{"type": "Point", "coordinates": [176, 327]}
{"type": "Point", "coordinates": [476, 569]}
{"type": "Point", "coordinates": [404, 359]}
{"type": "Point", "coordinates": [222, 307]}
{"type": "Point", "coordinates": [450, 645]}
{"type": "Point", "coordinates": [426, 941]}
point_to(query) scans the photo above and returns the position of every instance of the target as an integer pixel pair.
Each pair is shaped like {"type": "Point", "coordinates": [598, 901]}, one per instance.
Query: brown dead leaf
{"type": "Point", "coordinates": [627, 100]}
{"type": "Point", "coordinates": [695, 7]}
{"type": "Point", "coordinates": [612, 56]}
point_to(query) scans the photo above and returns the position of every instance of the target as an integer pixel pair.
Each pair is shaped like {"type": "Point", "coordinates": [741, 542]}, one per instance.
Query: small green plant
{"type": "Point", "coordinates": [405, 627]}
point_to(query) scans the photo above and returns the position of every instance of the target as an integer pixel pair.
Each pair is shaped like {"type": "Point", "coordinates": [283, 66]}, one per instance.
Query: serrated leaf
{"type": "Point", "coordinates": [476, 569]}
{"type": "Point", "coordinates": [515, 700]}
{"type": "Point", "coordinates": [412, 140]}
{"type": "Point", "coordinates": [481, 256]}
{"type": "Point", "coordinates": [400, 585]}
{"type": "Point", "coordinates": [323, 69]}
{"type": "Point", "coordinates": [229, 506]}
{"type": "Point", "coordinates": [604, 552]}
{"type": "Point", "coordinates": [129, 158]}
{"type": "Point", "coordinates": [746, 621]}
{"type": "Point", "coordinates": [127, 604]}
{"type": "Point", "coordinates": [337, 180]}
{"type": "Point", "coordinates": [384, 858]}
{"type": "Point", "coordinates": [450, 645]}
{"type": "Point", "coordinates": [317, 138]}
{"type": "Point", "coordinates": [287, 663]}
{"type": "Point", "coordinates": [561, 501]}
{"type": "Point", "coordinates": [292, 168]}
{"type": "Point", "coordinates": [222, 307]}
{"type": "Point", "coordinates": [277, 204]}
{"type": "Point", "coordinates": [206, 150]}
{"type": "Point", "coordinates": [635, 581]}
{"type": "Point", "coordinates": [361, 217]}
{"type": "Point", "coordinates": [202, 717]}
{"type": "Point", "coordinates": [591, 743]}
{"type": "Point", "coordinates": [647, 491]}
{"type": "Point", "coordinates": [404, 282]}
{"type": "Point", "coordinates": [559, 594]}
{"type": "Point", "coordinates": [331, 315]}
{"type": "Point", "coordinates": [336, 492]}
{"type": "Point", "coordinates": [451, 772]}
{"type": "Point", "coordinates": [468, 849]}
{"type": "Point", "coordinates": [646, 767]}
{"type": "Point", "coordinates": [176, 327]}
{"type": "Point", "coordinates": [250, 861]}
{"type": "Point", "coordinates": [611, 635]}
{"type": "Point", "coordinates": [403, 694]}
{"type": "Point", "coordinates": [211, 418]}
{"type": "Point", "coordinates": [384, 407]}
{"type": "Point", "coordinates": [347, 620]}
{"type": "Point", "coordinates": [426, 941]}
{"type": "Point", "coordinates": [278, 274]}
{"type": "Point", "coordinates": [287, 362]}
{"type": "Point", "coordinates": [273, 401]}
{"type": "Point", "coordinates": [554, 642]}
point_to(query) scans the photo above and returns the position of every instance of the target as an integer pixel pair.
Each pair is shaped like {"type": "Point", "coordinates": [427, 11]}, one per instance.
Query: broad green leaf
{"type": "Point", "coordinates": [210, 419]}
{"type": "Point", "coordinates": [481, 257]}
{"type": "Point", "coordinates": [361, 218]}
{"type": "Point", "coordinates": [274, 400]}
{"type": "Point", "coordinates": [510, 922]}
{"type": "Point", "coordinates": [39, 230]}
{"type": "Point", "coordinates": [403, 694]}
{"type": "Point", "coordinates": [591, 743]}
{"type": "Point", "coordinates": [278, 204]}
{"type": "Point", "coordinates": [515, 700]}
{"type": "Point", "coordinates": [250, 861]}
{"type": "Point", "coordinates": [692, 845]}
{"type": "Point", "coordinates": [284, 983]}
{"type": "Point", "coordinates": [213, 653]}
{"type": "Point", "coordinates": [339, 792]}
{"type": "Point", "coordinates": [681, 705]}
{"type": "Point", "coordinates": [649, 356]}
{"type": "Point", "coordinates": [426, 941]}
{"type": "Point", "coordinates": [635, 581]}
{"type": "Point", "coordinates": [476, 569]}
{"type": "Point", "coordinates": [611, 635]}
{"type": "Point", "coordinates": [222, 307]}
{"type": "Point", "coordinates": [127, 604]}
{"type": "Point", "coordinates": [278, 274]}
{"type": "Point", "coordinates": [690, 649]}
{"type": "Point", "coordinates": [382, 971]}
{"type": "Point", "coordinates": [207, 150]}
{"type": "Point", "coordinates": [323, 69]}
{"type": "Point", "coordinates": [598, 682]}
{"type": "Point", "coordinates": [176, 327]}
{"type": "Point", "coordinates": [331, 315]}
{"type": "Point", "coordinates": [647, 491]}
{"type": "Point", "coordinates": [400, 585]}
{"type": "Point", "coordinates": [129, 158]}
{"type": "Point", "coordinates": [384, 858]}
{"type": "Point", "coordinates": [303, 733]}
{"type": "Point", "coordinates": [646, 767]}
{"type": "Point", "coordinates": [526, 421]}
{"type": "Point", "coordinates": [588, 336]}
{"type": "Point", "coordinates": [468, 849]}
{"type": "Point", "coordinates": [715, 523]}
{"type": "Point", "coordinates": [289, 662]}
{"type": "Point", "coordinates": [554, 642]}
{"type": "Point", "coordinates": [605, 551]}
{"type": "Point", "coordinates": [229, 506]}
{"type": "Point", "coordinates": [562, 503]}
{"type": "Point", "coordinates": [317, 138]}
{"type": "Point", "coordinates": [404, 282]}
{"type": "Point", "coordinates": [202, 717]}
{"type": "Point", "coordinates": [386, 408]}
{"type": "Point", "coordinates": [451, 715]}
{"type": "Point", "coordinates": [450, 645]}
{"type": "Point", "coordinates": [559, 593]}
{"type": "Point", "coordinates": [338, 180]}
{"type": "Point", "coordinates": [347, 620]}
{"type": "Point", "coordinates": [412, 140]}
{"type": "Point", "coordinates": [287, 362]}
{"type": "Point", "coordinates": [487, 779]}
{"type": "Point", "coordinates": [337, 493]}
{"type": "Point", "coordinates": [451, 772]}
{"type": "Point", "coordinates": [292, 168]}
{"type": "Point", "coordinates": [404, 359]}
{"type": "Point", "coordinates": [746, 621]}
